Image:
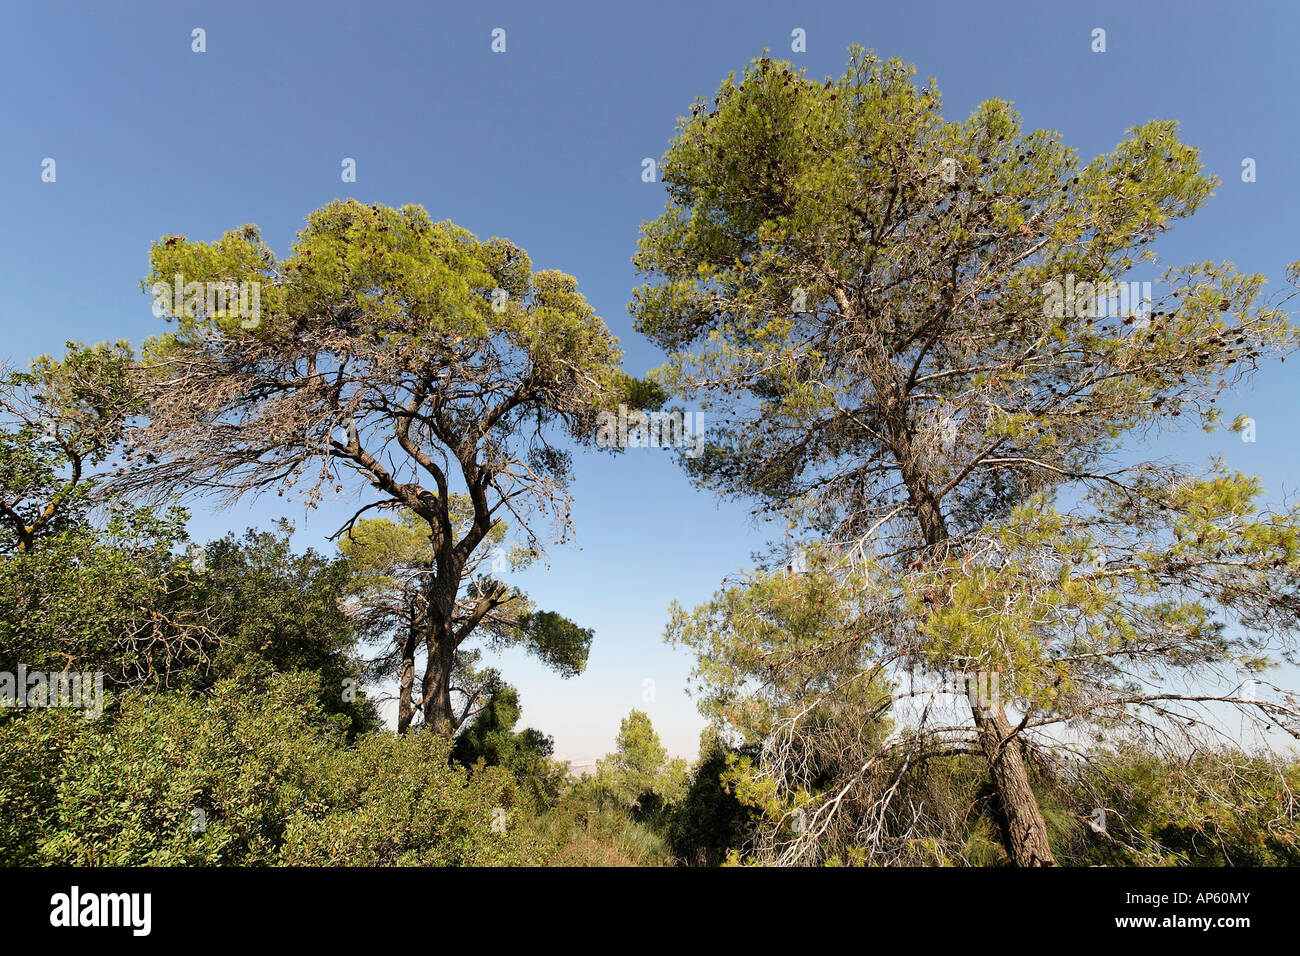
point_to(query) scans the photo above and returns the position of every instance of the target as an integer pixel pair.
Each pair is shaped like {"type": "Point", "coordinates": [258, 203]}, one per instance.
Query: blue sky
{"type": "Point", "coordinates": [543, 144]}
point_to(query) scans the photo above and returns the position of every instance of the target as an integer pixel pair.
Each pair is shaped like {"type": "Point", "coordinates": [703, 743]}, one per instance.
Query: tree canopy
{"type": "Point", "coordinates": [870, 300]}
{"type": "Point", "coordinates": [434, 370]}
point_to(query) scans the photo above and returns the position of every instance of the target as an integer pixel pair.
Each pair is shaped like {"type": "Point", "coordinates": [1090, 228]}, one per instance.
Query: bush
{"type": "Point", "coordinates": [606, 836]}
{"type": "Point", "coordinates": [709, 821]}
{"type": "Point", "coordinates": [228, 777]}
{"type": "Point", "coordinates": [1221, 808]}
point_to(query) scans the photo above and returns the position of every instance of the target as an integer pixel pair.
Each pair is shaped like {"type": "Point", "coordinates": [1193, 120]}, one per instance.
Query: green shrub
{"type": "Point", "coordinates": [229, 777]}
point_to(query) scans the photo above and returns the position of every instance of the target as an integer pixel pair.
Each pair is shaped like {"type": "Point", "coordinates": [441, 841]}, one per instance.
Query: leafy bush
{"type": "Point", "coordinates": [526, 754]}
{"type": "Point", "coordinates": [709, 821]}
{"type": "Point", "coordinates": [226, 777]}
{"type": "Point", "coordinates": [1225, 808]}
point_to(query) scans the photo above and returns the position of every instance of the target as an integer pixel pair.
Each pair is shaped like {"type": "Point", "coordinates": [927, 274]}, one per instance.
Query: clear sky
{"type": "Point", "coordinates": [543, 144]}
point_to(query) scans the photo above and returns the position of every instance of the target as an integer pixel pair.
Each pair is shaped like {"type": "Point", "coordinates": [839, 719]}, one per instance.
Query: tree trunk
{"type": "Point", "coordinates": [438, 715]}
{"type": "Point", "coordinates": [1024, 831]}
{"type": "Point", "coordinates": [406, 683]}
{"type": "Point", "coordinates": [440, 645]}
